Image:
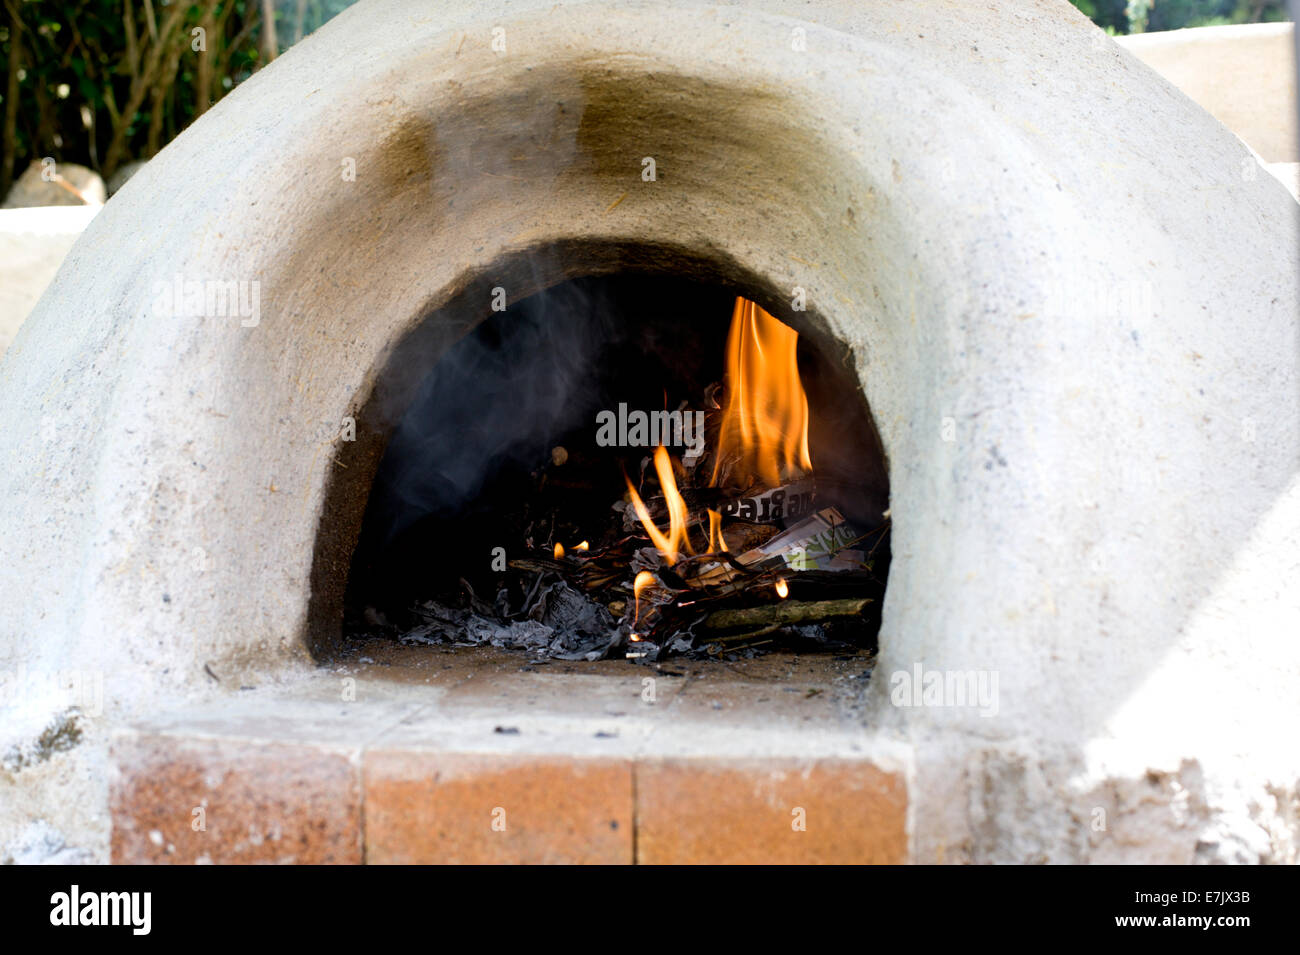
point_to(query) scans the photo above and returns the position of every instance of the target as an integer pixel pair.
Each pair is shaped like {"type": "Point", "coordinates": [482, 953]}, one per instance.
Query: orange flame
{"type": "Point", "coordinates": [716, 544]}
{"type": "Point", "coordinates": [583, 546]}
{"type": "Point", "coordinates": [765, 425]}
{"type": "Point", "coordinates": [782, 588]}
{"type": "Point", "coordinates": [670, 544]}
{"type": "Point", "coordinates": [559, 551]}
{"type": "Point", "coordinates": [643, 580]}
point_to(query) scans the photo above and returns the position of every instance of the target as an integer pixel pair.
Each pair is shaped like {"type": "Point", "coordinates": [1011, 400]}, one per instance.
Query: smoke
{"type": "Point", "coordinates": [499, 398]}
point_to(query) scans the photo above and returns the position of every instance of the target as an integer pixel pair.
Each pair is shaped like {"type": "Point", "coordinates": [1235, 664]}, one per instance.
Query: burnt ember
{"type": "Point", "coordinates": [680, 492]}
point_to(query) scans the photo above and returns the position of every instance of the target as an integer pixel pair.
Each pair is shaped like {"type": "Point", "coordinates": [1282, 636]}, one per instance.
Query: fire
{"type": "Point", "coordinates": [716, 544]}
{"type": "Point", "coordinates": [643, 580]}
{"type": "Point", "coordinates": [671, 544]}
{"type": "Point", "coordinates": [583, 546]}
{"type": "Point", "coordinates": [763, 436]}
{"type": "Point", "coordinates": [559, 551]}
{"type": "Point", "coordinates": [782, 588]}
{"type": "Point", "coordinates": [765, 424]}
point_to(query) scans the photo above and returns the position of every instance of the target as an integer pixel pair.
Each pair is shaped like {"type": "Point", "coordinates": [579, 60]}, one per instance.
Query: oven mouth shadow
{"type": "Point", "coordinates": [485, 502]}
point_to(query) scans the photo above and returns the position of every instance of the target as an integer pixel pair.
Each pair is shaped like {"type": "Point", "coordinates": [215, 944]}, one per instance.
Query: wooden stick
{"type": "Point", "coordinates": [716, 649]}
{"type": "Point", "coordinates": [746, 635]}
{"type": "Point", "coordinates": [785, 612]}
{"type": "Point", "coordinates": [541, 565]}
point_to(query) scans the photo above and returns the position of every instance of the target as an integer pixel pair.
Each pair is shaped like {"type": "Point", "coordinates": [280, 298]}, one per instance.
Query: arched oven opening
{"type": "Point", "coordinates": [631, 467]}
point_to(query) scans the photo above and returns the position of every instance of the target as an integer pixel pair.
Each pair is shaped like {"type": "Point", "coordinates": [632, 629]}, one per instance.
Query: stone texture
{"type": "Point", "coordinates": [259, 802]}
{"type": "Point", "coordinates": [468, 808]}
{"type": "Point", "coordinates": [728, 812]}
{"type": "Point", "coordinates": [67, 184]}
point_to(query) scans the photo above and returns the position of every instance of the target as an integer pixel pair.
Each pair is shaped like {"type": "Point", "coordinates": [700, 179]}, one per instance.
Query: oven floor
{"type": "Point", "coordinates": [399, 755]}
{"type": "Point", "coordinates": [840, 675]}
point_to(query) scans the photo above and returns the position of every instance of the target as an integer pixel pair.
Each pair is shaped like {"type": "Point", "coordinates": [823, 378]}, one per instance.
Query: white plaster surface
{"type": "Point", "coordinates": [33, 243]}
{"type": "Point", "coordinates": [1074, 318]}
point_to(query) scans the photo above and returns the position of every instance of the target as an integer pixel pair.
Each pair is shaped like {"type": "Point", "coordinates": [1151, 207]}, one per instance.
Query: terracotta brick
{"type": "Point", "coordinates": [741, 811]}
{"type": "Point", "coordinates": [261, 802]}
{"type": "Point", "coordinates": [424, 807]}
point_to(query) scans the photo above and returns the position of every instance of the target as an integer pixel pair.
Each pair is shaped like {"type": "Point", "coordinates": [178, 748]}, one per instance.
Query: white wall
{"type": "Point", "coordinates": [1243, 75]}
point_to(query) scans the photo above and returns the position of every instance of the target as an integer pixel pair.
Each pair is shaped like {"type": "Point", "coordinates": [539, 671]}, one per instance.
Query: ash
{"type": "Point", "coordinates": [559, 622]}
